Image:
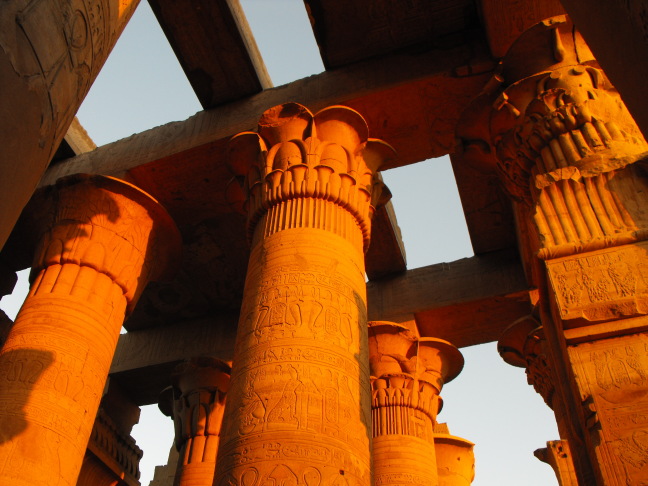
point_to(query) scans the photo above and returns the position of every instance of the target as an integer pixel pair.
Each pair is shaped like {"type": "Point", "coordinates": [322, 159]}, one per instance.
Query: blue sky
{"type": "Point", "coordinates": [142, 86]}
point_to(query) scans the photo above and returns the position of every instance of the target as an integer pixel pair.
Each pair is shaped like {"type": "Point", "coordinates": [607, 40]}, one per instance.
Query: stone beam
{"type": "Point", "coordinates": [505, 20]}
{"type": "Point", "coordinates": [412, 100]}
{"type": "Point", "coordinates": [487, 210]}
{"type": "Point", "coordinates": [347, 32]}
{"type": "Point", "coordinates": [467, 302]}
{"type": "Point", "coordinates": [144, 359]}
{"type": "Point", "coordinates": [215, 47]}
{"type": "Point", "coordinates": [386, 254]}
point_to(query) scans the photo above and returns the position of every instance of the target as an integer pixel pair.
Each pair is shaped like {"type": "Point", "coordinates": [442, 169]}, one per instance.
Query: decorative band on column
{"type": "Point", "coordinates": [103, 239]}
{"type": "Point", "coordinates": [305, 161]}
{"type": "Point", "coordinates": [407, 374]}
{"type": "Point", "coordinates": [298, 410]}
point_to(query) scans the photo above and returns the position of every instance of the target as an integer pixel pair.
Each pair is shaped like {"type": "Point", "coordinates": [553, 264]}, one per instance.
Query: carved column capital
{"type": "Point", "coordinates": [110, 226]}
{"type": "Point", "coordinates": [102, 240]}
{"type": "Point", "coordinates": [325, 157]}
{"type": "Point", "coordinates": [407, 371]}
{"type": "Point", "coordinates": [560, 136]}
{"type": "Point", "coordinates": [522, 345]}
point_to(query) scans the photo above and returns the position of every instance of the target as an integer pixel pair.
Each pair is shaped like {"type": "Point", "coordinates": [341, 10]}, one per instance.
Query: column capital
{"type": "Point", "coordinates": [196, 402]}
{"type": "Point", "coordinates": [557, 132]}
{"type": "Point", "coordinates": [110, 226]}
{"type": "Point", "coordinates": [326, 156]}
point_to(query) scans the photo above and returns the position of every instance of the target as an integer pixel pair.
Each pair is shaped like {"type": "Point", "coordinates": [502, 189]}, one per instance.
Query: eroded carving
{"type": "Point", "coordinates": [102, 240]}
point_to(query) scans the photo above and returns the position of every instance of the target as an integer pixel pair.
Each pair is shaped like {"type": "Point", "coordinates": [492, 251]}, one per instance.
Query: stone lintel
{"type": "Point", "coordinates": [391, 92]}
{"type": "Point", "coordinates": [215, 47]}
{"type": "Point", "coordinates": [467, 302]}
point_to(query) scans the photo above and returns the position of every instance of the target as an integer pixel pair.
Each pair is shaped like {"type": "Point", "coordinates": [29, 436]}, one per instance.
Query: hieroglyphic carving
{"type": "Point", "coordinates": [103, 239]}
{"type": "Point", "coordinates": [601, 285]}
{"type": "Point", "coordinates": [298, 410]}
{"type": "Point", "coordinates": [614, 378]}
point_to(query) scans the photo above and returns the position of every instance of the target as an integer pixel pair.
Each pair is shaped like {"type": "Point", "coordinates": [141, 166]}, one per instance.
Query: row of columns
{"type": "Point", "coordinates": [300, 396]}
{"type": "Point", "coordinates": [306, 396]}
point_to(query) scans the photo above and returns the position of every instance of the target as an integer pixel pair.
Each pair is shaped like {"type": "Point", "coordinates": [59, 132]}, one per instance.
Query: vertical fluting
{"type": "Point", "coordinates": [298, 409]}
{"type": "Point", "coordinates": [407, 374]}
{"type": "Point", "coordinates": [104, 240]}
{"type": "Point", "coordinates": [199, 390]}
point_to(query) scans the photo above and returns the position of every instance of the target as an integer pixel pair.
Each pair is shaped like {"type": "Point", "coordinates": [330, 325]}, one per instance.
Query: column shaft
{"type": "Point", "coordinates": [569, 152]}
{"type": "Point", "coordinates": [100, 248]}
{"type": "Point", "coordinates": [298, 410]}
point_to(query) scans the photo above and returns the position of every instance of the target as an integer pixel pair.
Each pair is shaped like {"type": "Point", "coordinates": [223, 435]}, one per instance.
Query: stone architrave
{"type": "Point", "coordinates": [572, 158]}
{"type": "Point", "coordinates": [197, 403]}
{"type": "Point", "coordinates": [298, 409]}
{"type": "Point", "coordinates": [103, 240]}
{"type": "Point", "coordinates": [407, 375]}
{"type": "Point", "coordinates": [50, 54]}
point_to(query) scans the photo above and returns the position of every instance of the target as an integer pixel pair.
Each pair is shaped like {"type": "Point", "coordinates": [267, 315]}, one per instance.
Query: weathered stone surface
{"type": "Point", "coordinates": [50, 54]}
{"type": "Point", "coordinates": [103, 239]}
{"type": "Point", "coordinates": [298, 405]}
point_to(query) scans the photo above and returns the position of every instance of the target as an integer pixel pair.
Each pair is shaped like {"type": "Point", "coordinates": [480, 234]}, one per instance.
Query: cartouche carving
{"type": "Point", "coordinates": [199, 389]}
{"type": "Point", "coordinates": [298, 410]}
{"type": "Point", "coordinates": [103, 240]}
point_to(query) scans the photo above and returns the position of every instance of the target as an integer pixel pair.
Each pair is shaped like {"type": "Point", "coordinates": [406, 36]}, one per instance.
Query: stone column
{"type": "Point", "coordinates": [198, 401]}
{"type": "Point", "coordinates": [50, 54]}
{"type": "Point", "coordinates": [572, 158]}
{"type": "Point", "coordinates": [103, 240]}
{"type": "Point", "coordinates": [298, 410]}
{"type": "Point", "coordinates": [407, 375]}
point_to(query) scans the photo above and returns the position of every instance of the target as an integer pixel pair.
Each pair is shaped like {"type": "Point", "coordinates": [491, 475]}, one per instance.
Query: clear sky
{"type": "Point", "coordinates": [143, 86]}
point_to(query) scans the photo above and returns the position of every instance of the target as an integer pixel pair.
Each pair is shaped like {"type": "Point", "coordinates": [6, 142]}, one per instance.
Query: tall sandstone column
{"type": "Point", "coordinates": [572, 157]}
{"type": "Point", "coordinates": [50, 54]}
{"type": "Point", "coordinates": [298, 409]}
{"type": "Point", "coordinates": [199, 390]}
{"type": "Point", "coordinates": [103, 240]}
{"type": "Point", "coordinates": [407, 375]}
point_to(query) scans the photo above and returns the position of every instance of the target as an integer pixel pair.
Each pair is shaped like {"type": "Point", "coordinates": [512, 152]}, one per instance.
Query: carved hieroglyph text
{"type": "Point", "coordinates": [602, 285]}
{"type": "Point", "coordinates": [297, 353]}
{"type": "Point", "coordinates": [612, 376]}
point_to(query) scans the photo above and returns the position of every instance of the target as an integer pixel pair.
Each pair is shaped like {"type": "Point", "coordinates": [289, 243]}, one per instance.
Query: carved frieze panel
{"type": "Point", "coordinates": [602, 285]}
{"type": "Point", "coordinates": [612, 376]}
